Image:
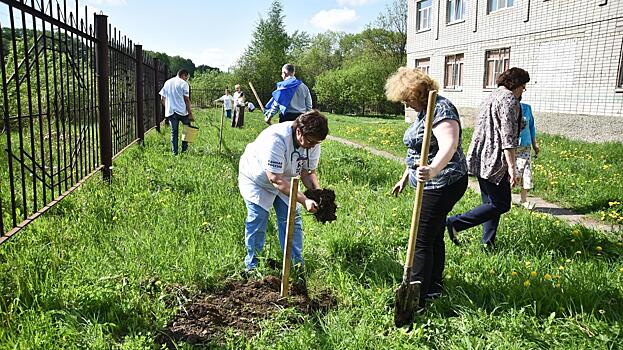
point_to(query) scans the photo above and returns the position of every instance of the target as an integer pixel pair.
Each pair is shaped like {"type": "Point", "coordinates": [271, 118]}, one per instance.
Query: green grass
{"type": "Point", "coordinates": [108, 266]}
{"type": "Point", "coordinates": [584, 177]}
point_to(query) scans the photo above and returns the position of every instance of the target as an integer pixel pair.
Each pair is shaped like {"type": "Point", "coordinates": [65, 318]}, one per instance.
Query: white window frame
{"type": "Point", "coordinates": [424, 16]}
{"type": "Point", "coordinates": [456, 8]}
{"type": "Point", "coordinates": [500, 64]}
{"type": "Point", "coordinates": [455, 65]}
{"type": "Point", "coordinates": [497, 5]}
{"type": "Point", "coordinates": [423, 67]}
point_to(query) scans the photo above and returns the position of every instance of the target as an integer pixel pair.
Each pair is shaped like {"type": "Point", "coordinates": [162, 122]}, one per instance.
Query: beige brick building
{"type": "Point", "coordinates": [573, 50]}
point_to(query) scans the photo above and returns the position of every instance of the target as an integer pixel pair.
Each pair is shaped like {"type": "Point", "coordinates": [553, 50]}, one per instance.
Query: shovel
{"type": "Point", "coordinates": [256, 96]}
{"type": "Point", "coordinates": [408, 293]}
{"type": "Point", "coordinates": [220, 133]}
{"type": "Point", "coordinates": [287, 254]}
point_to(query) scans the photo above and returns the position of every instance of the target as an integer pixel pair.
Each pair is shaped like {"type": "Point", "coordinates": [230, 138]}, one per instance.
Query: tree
{"type": "Point", "coordinates": [268, 51]}
{"type": "Point", "coordinates": [394, 19]}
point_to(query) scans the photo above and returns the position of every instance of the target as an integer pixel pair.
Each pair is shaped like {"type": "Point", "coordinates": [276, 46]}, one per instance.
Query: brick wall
{"type": "Point", "coordinates": [571, 48]}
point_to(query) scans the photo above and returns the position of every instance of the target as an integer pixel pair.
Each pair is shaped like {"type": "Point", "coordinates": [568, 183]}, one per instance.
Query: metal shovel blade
{"type": "Point", "coordinates": [407, 301]}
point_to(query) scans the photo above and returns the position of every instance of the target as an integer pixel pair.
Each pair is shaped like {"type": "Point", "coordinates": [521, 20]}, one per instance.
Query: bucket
{"type": "Point", "coordinates": [189, 133]}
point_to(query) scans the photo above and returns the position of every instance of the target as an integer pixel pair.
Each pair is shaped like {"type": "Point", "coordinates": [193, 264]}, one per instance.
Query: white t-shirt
{"type": "Point", "coordinates": [239, 98]}
{"type": "Point", "coordinates": [174, 91]}
{"type": "Point", "coordinates": [273, 150]}
{"type": "Point", "coordinates": [228, 100]}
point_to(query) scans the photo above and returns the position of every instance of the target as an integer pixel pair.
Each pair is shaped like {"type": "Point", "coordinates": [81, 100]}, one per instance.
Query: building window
{"type": "Point", "coordinates": [455, 11]}
{"type": "Point", "coordinates": [494, 5]}
{"type": "Point", "coordinates": [496, 62]}
{"type": "Point", "coordinates": [424, 14]}
{"type": "Point", "coordinates": [454, 72]}
{"type": "Point", "coordinates": [423, 64]}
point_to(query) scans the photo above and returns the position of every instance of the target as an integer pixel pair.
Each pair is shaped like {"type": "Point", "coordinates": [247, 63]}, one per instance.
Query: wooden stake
{"type": "Point", "coordinates": [287, 254]}
{"type": "Point", "coordinates": [256, 97]}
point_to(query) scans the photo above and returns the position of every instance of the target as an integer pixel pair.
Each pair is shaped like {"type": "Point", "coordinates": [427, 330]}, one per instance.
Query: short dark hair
{"type": "Point", "coordinates": [513, 78]}
{"type": "Point", "coordinates": [182, 72]}
{"type": "Point", "coordinates": [313, 123]}
{"type": "Point", "coordinates": [289, 67]}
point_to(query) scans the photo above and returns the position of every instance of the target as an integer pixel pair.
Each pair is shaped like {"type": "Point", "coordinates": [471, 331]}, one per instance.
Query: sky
{"type": "Point", "coordinates": [216, 33]}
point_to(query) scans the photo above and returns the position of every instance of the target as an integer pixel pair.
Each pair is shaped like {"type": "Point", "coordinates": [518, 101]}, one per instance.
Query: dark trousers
{"type": "Point", "coordinates": [238, 120]}
{"type": "Point", "coordinates": [496, 200]}
{"type": "Point", "coordinates": [288, 117]}
{"type": "Point", "coordinates": [175, 121]}
{"type": "Point", "coordinates": [430, 250]}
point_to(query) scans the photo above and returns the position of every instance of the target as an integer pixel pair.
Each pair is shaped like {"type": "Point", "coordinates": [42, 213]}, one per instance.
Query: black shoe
{"type": "Point", "coordinates": [451, 232]}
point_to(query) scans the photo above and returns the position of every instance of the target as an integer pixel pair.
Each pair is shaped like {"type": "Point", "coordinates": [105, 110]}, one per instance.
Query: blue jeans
{"type": "Point", "coordinates": [496, 200]}
{"type": "Point", "coordinates": [175, 120]}
{"type": "Point", "coordinates": [255, 231]}
{"type": "Point", "coordinates": [228, 113]}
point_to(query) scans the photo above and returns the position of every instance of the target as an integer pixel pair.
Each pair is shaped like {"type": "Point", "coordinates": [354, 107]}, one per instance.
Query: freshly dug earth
{"type": "Point", "coordinates": [326, 204]}
{"type": "Point", "coordinates": [238, 307]}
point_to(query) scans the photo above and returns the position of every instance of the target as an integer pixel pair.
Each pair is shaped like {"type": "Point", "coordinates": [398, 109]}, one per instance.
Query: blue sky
{"type": "Point", "coordinates": [217, 32]}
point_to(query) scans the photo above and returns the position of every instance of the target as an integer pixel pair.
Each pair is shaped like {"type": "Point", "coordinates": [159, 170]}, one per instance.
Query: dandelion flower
{"type": "Point", "coordinates": [526, 283]}
{"type": "Point", "coordinates": [621, 269]}
{"type": "Point", "coordinates": [547, 277]}
{"type": "Point", "coordinates": [561, 268]}
{"type": "Point", "coordinates": [514, 273]}
{"type": "Point", "coordinates": [533, 274]}
{"type": "Point", "coordinates": [599, 248]}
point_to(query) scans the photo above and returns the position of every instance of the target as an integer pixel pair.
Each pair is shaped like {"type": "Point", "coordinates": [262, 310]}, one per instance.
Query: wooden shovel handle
{"type": "Point", "coordinates": [419, 190]}
{"type": "Point", "coordinates": [256, 97]}
{"type": "Point", "coordinates": [287, 254]}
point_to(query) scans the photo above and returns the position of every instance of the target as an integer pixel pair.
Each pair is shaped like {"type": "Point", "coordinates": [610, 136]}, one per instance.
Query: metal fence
{"type": "Point", "coordinates": [74, 95]}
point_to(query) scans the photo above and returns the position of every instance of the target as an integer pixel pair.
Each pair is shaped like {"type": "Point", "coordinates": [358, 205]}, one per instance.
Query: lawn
{"type": "Point", "coordinates": [109, 267]}
{"type": "Point", "coordinates": [582, 176]}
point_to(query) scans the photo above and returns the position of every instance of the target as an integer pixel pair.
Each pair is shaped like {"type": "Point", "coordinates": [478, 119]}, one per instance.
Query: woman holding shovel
{"type": "Point", "coordinates": [444, 178]}
{"type": "Point", "coordinates": [280, 152]}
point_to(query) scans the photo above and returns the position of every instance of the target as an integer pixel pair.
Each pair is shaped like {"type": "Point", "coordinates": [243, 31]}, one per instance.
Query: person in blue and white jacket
{"type": "Point", "coordinates": [527, 139]}
{"type": "Point", "coordinates": [291, 98]}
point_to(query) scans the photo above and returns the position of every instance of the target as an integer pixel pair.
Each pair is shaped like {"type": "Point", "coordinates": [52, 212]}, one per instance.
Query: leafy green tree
{"type": "Point", "coordinates": [262, 60]}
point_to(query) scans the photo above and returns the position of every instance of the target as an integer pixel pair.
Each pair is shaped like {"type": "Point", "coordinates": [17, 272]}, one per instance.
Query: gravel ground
{"type": "Point", "coordinates": [576, 127]}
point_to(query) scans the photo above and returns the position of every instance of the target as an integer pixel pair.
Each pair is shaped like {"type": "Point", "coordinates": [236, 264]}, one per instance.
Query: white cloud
{"type": "Point", "coordinates": [334, 19]}
{"type": "Point", "coordinates": [213, 57]}
{"type": "Point", "coordinates": [108, 2]}
{"type": "Point", "coordinates": [354, 3]}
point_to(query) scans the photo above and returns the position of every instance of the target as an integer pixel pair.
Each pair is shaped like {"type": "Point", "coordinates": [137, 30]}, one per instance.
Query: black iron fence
{"type": "Point", "coordinates": [74, 95]}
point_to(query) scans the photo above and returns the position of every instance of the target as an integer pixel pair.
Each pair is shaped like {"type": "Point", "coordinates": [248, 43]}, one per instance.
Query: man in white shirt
{"type": "Point", "coordinates": [175, 96]}
{"type": "Point", "coordinates": [239, 104]}
{"type": "Point", "coordinates": [228, 102]}
{"type": "Point", "coordinates": [280, 152]}
{"type": "Point", "coordinates": [291, 98]}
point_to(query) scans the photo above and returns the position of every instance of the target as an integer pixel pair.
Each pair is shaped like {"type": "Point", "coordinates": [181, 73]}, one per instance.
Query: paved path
{"type": "Point", "coordinates": [541, 205]}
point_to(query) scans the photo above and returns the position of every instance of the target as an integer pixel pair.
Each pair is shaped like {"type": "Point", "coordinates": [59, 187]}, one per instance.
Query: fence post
{"type": "Point", "coordinates": [140, 94]}
{"type": "Point", "coordinates": [103, 72]}
{"type": "Point", "coordinates": [157, 103]}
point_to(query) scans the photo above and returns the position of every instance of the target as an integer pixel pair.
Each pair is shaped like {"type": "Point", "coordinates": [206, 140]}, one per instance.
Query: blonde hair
{"type": "Point", "coordinates": [410, 84]}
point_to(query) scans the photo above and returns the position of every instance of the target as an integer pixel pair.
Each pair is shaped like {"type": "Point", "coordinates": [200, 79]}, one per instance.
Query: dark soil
{"type": "Point", "coordinates": [326, 204]}
{"type": "Point", "coordinates": [239, 307]}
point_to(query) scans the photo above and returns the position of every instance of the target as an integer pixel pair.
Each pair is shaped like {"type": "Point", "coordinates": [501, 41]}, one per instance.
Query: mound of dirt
{"type": "Point", "coordinates": [239, 306]}
{"type": "Point", "coordinates": [326, 204]}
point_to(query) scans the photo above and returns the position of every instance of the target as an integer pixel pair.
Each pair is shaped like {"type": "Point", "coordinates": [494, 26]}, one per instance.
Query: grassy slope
{"type": "Point", "coordinates": [585, 177]}
{"type": "Point", "coordinates": [107, 267]}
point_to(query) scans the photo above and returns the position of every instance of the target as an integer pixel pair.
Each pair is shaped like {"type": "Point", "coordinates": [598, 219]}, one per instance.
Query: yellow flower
{"type": "Point", "coordinates": [547, 276]}
{"type": "Point", "coordinates": [621, 269]}
{"type": "Point", "coordinates": [533, 274]}
{"type": "Point", "coordinates": [599, 248]}
{"type": "Point", "coordinates": [557, 285]}
{"type": "Point", "coordinates": [528, 263]}
{"type": "Point", "coordinates": [526, 283]}
{"type": "Point", "coordinates": [514, 273]}
{"type": "Point", "coordinates": [561, 268]}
